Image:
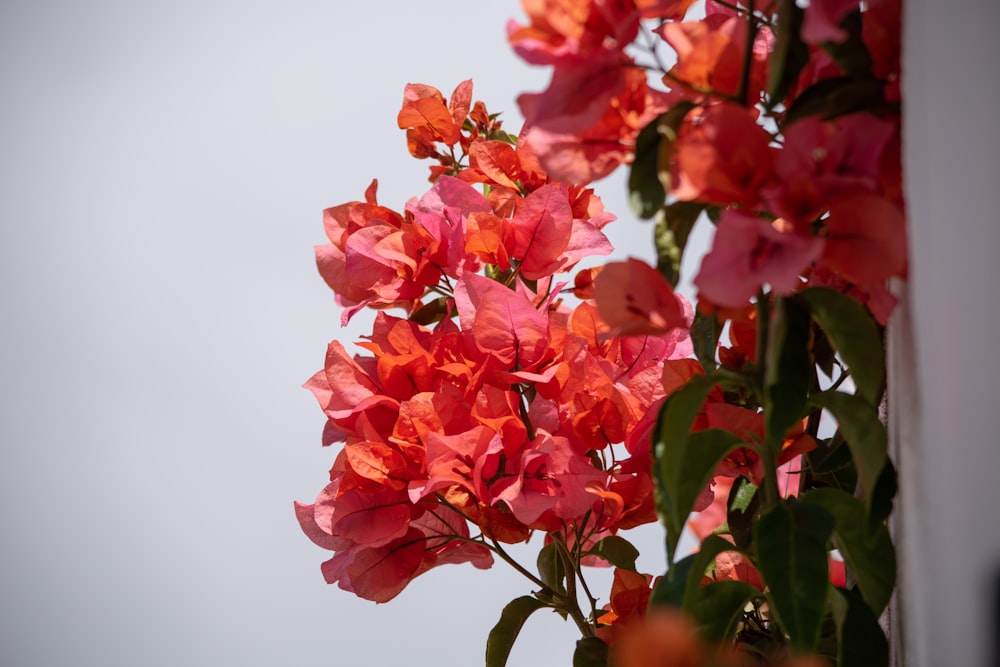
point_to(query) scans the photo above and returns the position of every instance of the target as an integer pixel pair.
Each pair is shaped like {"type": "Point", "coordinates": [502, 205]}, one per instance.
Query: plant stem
{"type": "Point", "coordinates": [747, 55]}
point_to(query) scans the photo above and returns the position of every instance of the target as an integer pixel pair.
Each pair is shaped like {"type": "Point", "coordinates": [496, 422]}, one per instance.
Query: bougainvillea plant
{"type": "Point", "coordinates": [503, 392]}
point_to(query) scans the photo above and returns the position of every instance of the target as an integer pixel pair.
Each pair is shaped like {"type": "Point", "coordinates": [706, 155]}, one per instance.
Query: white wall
{"type": "Point", "coordinates": [946, 392]}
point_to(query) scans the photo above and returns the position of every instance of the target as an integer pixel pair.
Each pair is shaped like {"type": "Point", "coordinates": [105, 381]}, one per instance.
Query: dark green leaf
{"type": "Point", "coordinates": [684, 462]}
{"type": "Point", "coordinates": [670, 236]}
{"type": "Point", "coordinates": [851, 54]}
{"type": "Point", "coordinates": [590, 652]}
{"type": "Point", "coordinates": [740, 511]}
{"type": "Point", "coordinates": [431, 312]}
{"type": "Point", "coordinates": [823, 352]}
{"type": "Point", "coordinates": [551, 569]}
{"type": "Point", "coordinates": [869, 554]}
{"type": "Point", "coordinates": [790, 53]}
{"type": "Point", "coordinates": [791, 541]}
{"type": "Point", "coordinates": [669, 124]}
{"type": "Point", "coordinates": [646, 194]}
{"type": "Point", "coordinates": [669, 591]}
{"type": "Point", "coordinates": [860, 637]}
{"type": "Point", "coordinates": [618, 551]}
{"type": "Point", "coordinates": [833, 465]}
{"type": "Point", "coordinates": [705, 337]}
{"type": "Point", "coordinates": [882, 496]}
{"type": "Point", "coordinates": [788, 370]}
{"type": "Point", "coordinates": [670, 437]}
{"type": "Point", "coordinates": [719, 606]}
{"type": "Point", "coordinates": [851, 329]}
{"type": "Point", "coordinates": [654, 148]}
{"type": "Point", "coordinates": [504, 633]}
{"type": "Point", "coordinates": [863, 432]}
{"type": "Point", "coordinates": [836, 96]}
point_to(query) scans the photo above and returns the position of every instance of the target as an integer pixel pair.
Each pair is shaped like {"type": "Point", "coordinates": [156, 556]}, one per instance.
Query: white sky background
{"type": "Point", "coordinates": [163, 168]}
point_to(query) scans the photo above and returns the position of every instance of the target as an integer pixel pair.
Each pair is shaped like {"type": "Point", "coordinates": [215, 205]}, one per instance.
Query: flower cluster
{"type": "Point", "coordinates": [791, 140]}
{"type": "Point", "coordinates": [521, 416]}
{"type": "Point", "coordinates": [508, 395]}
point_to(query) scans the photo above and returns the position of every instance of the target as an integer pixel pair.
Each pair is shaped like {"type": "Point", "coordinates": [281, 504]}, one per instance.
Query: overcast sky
{"type": "Point", "coordinates": [164, 168]}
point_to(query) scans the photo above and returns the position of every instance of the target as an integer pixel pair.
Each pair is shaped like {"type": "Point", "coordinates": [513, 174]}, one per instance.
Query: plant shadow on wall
{"type": "Point", "coordinates": [511, 395]}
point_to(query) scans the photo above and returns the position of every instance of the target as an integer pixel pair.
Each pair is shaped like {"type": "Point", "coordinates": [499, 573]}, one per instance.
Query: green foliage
{"type": "Point", "coordinates": [590, 652]}
{"type": "Point", "coordinates": [869, 554]}
{"type": "Point", "coordinates": [790, 53]}
{"type": "Point", "coordinates": [852, 331]}
{"type": "Point", "coordinates": [787, 374]}
{"type": "Point", "coordinates": [670, 236]}
{"type": "Point", "coordinates": [719, 606]}
{"type": "Point", "coordinates": [860, 639]}
{"type": "Point", "coordinates": [836, 96]}
{"type": "Point", "coordinates": [683, 461]}
{"type": "Point", "coordinates": [741, 512]}
{"type": "Point", "coordinates": [649, 179]}
{"type": "Point", "coordinates": [863, 433]}
{"type": "Point", "coordinates": [669, 591]}
{"type": "Point", "coordinates": [504, 633]}
{"type": "Point", "coordinates": [791, 540]}
{"type": "Point", "coordinates": [705, 338]}
{"type": "Point", "coordinates": [616, 550]}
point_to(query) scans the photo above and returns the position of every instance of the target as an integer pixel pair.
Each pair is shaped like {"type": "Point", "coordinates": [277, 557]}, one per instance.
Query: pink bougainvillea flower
{"type": "Point", "coordinates": [628, 602]}
{"type": "Point", "coordinates": [710, 54]}
{"type": "Point", "coordinates": [722, 157]}
{"type": "Point", "coordinates": [747, 253]}
{"type": "Point", "coordinates": [826, 161]}
{"type": "Point", "coordinates": [501, 322]}
{"type": "Point", "coordinates": [866, 241]}
{"type": "Point", "coordinates": [634, 298]}
{"type": "Point", "coordinates": [427, 119]}
{"type": "Point", "coordinates": [454, 460]}
{"type": "Point", "coordinates": [877, 297]}
{"type": "Point", "coordinates": [574, 154]}
{"type": "Point", "coordinates": [571, 29]}
{"type": "Point", "coordinates": [578, 94]}
{"type": "Point", "coordinates": [548, 478]}
{"type": "Point", "coordinates": [546, 238]}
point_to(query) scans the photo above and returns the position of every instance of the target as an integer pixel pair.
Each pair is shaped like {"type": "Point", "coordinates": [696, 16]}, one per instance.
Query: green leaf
{"type": "Point", "coordinates": [683, 461]}
{"type": "Point", "coordinates": [882, 496]}
{"type": "Point", "coordinates": [863, 432]}
{"type": "Point", "coordinates": [860, 638]}
{"type": "Point", "coordinates": [646, 194]}
{"type": "Point", "coordinates": [504, 633]}
{"type": "Point", "coordinates": [790, 53]}
{"type": "Point", "coordinates": [788, 370]}
{"type": "Point", "coordinates": [869, 554]}
{"type": "Point", "coordinates": [551, 569]}
{"type": "Point", "coordinates": [668, 124]}
{"type": "Point", "coordinates": [654, 148]}
{"type": "Point", "coordinates": [616, 550]}
{"type": "Point", "coordinates": [741, 507]}
{"type": "Point", "coordinates": [431, 312]}
{"type": "Point", "coordinates": [705, 337]}
{"type": "Point", "coordinates": [670, 236]}
{"type": "Point", "coordinates": [719, 606]}
{"type": "Point", "coordinates": [590, 652]}
{"type": "Point", "coordinates": [791, 541]}
{"type": "Point", "coordinates": [669, 591]}
{"type": "Point", "coordinates": [836, 96]}
{"type": "Point", "coordinates": [670, 435]}
{"type": "Point", "coordinates": [851, 54]}
{"type": "Point", "coordinates": [851, 329]}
